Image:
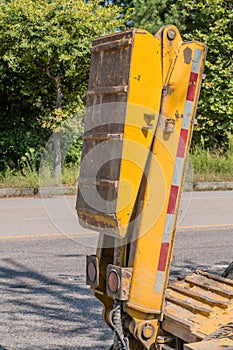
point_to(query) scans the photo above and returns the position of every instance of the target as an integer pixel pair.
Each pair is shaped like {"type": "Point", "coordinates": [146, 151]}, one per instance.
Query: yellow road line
{"type": "Point", "coordinates": [220, 227]}
{"type": "Point", "coordinates": [46, 236]}
{"type": "Point", "coordinates": [215, 227]}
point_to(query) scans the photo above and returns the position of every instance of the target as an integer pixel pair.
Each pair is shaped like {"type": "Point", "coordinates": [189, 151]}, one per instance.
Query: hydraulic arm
{"type": "Point", "coordinates": [141, 104]}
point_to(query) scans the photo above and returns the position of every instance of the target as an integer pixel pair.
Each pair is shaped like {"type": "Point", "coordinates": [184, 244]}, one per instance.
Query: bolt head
{"type": "Point", "coordinates": [147, 331]}
{"type": "Point", "coordinates": [171, 34]}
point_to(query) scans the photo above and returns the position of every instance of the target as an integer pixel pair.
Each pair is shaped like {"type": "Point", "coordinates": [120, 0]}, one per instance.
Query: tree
{"type": "Point", "coordinates": [20, 127]}
{"type": "Point", "coordinates": [209, 21]}
{"type": "Point", "coordinates": [153, 14]}
{"type": "Point", "coordinates": [126, 6]}
{"type": "Point", "coordinates": [47, 45]}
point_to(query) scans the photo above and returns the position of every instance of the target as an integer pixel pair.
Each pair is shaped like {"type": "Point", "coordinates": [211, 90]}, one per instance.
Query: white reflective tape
{"type": "Point", "coordinates": [159, 282]}
{"type": "Point", "coordinates": [168, 228]}
{"type": "Point", "coordinates": [177, 171]}
{"type": "Point", "coordinates": [196, 60]}
{"type": "Point", "coordinates": [160, 275]}
{"type": "Point", "coordinates": [187, 115]}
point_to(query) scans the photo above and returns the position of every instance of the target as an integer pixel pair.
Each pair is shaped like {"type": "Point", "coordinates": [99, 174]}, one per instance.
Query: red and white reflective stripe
{"type": "Point", "coordinates": [160, 275]}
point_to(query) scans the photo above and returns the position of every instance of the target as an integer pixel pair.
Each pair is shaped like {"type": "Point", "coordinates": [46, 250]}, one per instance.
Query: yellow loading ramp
{"type": "Point", "coordinates": [198, 308]}
{"type": "Point", "coordinates": [123, 103]}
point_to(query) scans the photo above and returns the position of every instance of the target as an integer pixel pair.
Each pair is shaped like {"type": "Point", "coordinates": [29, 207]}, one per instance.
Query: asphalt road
{"type": "Point", "coordinates": [44, 303]}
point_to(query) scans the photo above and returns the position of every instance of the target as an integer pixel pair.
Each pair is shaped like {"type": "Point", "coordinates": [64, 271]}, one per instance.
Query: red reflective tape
{"type": "Point", "coordinates": [182, 143]}
{"type": "Point", "coordinates": [192, 86]}
{"type": "Point", "coordinates": [163, 257]}
{"type": "Point", "coordinates": [172, 199]}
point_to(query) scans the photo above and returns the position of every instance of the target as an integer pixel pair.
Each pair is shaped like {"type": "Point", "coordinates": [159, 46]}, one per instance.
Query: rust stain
{"type": "Point", "coordinates": [187, 55]}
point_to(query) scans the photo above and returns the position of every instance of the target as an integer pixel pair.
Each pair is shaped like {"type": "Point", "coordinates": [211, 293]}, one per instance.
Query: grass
{"type": "Point", "coordinates": [14, 179]}
{"type": "Point", "coordinates": [207, 166]}
{"type": "Point", "coordinates": [212, 166]}
{"type": "Point", "coordinates": [69, 177]}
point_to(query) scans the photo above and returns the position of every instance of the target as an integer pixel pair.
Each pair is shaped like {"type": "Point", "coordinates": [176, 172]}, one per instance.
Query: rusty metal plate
{"type": "Point", "coordinates": [104, 126]}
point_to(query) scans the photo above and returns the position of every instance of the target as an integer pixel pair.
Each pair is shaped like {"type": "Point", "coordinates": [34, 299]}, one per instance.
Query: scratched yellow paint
{"type": "Point", "coordinates": [169, 49]}
{"type": "Point", "coordinates": [153, 219]}
{"type": "Point", "coordinates": [145, 87]}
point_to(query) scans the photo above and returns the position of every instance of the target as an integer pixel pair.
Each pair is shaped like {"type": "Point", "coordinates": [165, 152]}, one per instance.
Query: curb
{"type": "Point", "coordinates": [42, 191]}
{"type": "Point", "coordinates": [72, 190]}
{"type": "Point", "coordinates": [213, 186]}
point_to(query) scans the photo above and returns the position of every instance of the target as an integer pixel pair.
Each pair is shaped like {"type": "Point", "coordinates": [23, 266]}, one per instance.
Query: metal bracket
{"type": "Point", "coordinates": [123, 275]}
{"type": "Point", "coordinates": [92, 271]}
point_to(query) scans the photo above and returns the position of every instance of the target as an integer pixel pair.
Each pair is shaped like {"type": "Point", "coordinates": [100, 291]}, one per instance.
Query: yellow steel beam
{"type": "Point", "coordinates": [142, 112]}
{"type": "Point", "coordinates": [156, 231]}
{"type": "Point", "coordinates": [164, 181]}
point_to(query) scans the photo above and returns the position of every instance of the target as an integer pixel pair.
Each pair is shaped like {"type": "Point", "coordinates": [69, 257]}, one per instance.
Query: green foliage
{"type": "Point", "coordinates": [127, 9]}
{"type": "Point", "coordinates": [28, 162]}
{"type": "Point", "coordinates": [74, 154]}
{"type": "Point", "coordinates": [212, 22]}
{"type": "Point", "coordinates": [51, 40]}
{"type": "Point", "coordinates": [44, 67]}
{"type": "Point", "coordinates": [153, 14]}
{"type": "Point", "coordinates": [45, 57]}
{"type": "Point", "coordinates": [70, 136]}
{"type": "Point", "coordinates": [20, 127]}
